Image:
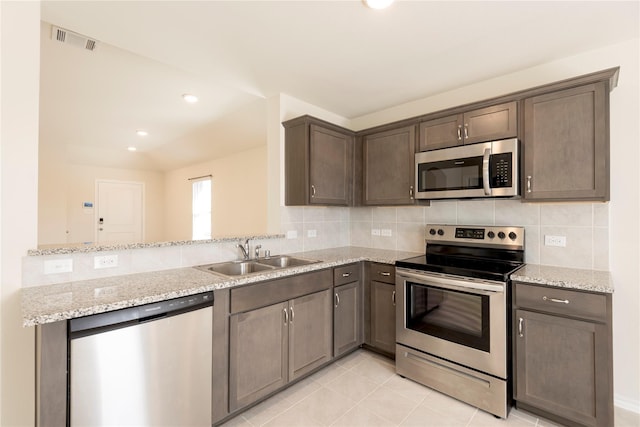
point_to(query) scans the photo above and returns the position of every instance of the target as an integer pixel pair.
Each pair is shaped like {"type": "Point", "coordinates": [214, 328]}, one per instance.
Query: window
{"type": "Point", "coordinates": [201, 208]}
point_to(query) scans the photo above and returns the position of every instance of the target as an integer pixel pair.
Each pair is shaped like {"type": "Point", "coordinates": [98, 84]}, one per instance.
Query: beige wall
{"type": "Point", "coordinates": [19, 76]}
{"type": "Point", "coordinates": [63, 188]}
{"type": "Point", "coordinates": [239, 199]}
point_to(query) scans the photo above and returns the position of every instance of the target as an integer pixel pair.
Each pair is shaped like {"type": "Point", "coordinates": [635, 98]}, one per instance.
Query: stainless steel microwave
{"type": "Point", "coordinates": [486, 169]}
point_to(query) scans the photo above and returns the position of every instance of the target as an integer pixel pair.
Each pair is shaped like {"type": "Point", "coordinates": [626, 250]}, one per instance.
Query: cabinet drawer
{"type": "Point", "coordinates": [383, 273]}
{"type": "Point", "coordinates": [562, 301]}
{"type": "Point", "coordinates": [346, 274]}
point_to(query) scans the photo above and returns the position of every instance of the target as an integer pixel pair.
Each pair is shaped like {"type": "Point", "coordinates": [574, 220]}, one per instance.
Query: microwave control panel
{"type": "Point", "coordinates": [500, 170]}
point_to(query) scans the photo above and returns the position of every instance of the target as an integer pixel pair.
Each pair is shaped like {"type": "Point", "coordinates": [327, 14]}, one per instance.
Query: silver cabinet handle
{"type": "Point", "coordinates": [313, 191]}
{"type": "Point", "coordinates": [459, 132]}
{"type": "Point", "coordinates": [292, 314]}
{"type": "Point", "coordinates": [486, 157]}
{"type": "Point", "coordinates": [385, 273]}
{"type": "Point", "coordinates": [466, 131]}
{"type": "Point", "coordinates": [561, 301]}
{"type": "Point", "coordinates": [337, 298]}
{"type": "Point", "coordinates": [520, 322]}
{"type": "Point", "coordinates": [346, 274]}
{"type": "Point", "coordinates": [411, 192]}
{"type": "Point", "coordinates": [529, 184]}
{"type": "Point", "coordinates": [393, 298]}
{"type": "Point", "coordinates": [286, 316]}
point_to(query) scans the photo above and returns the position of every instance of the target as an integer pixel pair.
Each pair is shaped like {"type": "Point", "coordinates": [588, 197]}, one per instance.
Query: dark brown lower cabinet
{"type": "Point", "coordinates": [273, 345]}
{"type": "Point", "coordinates": [346, 313]}
{"type": "Point", "coordinates": [383, 316]}
{"type": "Point", "coordinates": [563, 355]}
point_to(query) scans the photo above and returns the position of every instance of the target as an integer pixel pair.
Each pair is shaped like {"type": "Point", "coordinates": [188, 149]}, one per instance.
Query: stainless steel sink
{"type": "Point", "coordinates": [236, 268]}
{"type": "Point", "coordinates": [282, 261]}
{"type": "Point", "coordinates": [246, 267]}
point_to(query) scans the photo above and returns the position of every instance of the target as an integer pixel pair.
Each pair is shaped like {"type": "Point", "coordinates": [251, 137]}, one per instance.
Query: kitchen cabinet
{"type": "Point", "coordinates": [381, 316]}
{"type": "Point", "coordinates": [389, 164]}
{"type": "Point", "coordinates": [318, 163]}
{"type": "Point", "coordinates": [272, 343]}
{"type": "Point", "coordinates": [563, 354]}
{"type": "Point", "coordinates": [484, 124]}
{"type": "Point", "coordinates": [566, 144]}
{"type": "Point", "coordinates": [347, 311]}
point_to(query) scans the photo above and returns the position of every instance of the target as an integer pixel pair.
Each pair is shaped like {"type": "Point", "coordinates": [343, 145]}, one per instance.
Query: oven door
{"type": "Point", "coordinates": [461, 320]}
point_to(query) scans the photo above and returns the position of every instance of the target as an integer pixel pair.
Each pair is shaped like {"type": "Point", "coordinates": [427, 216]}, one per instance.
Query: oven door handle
{"type": "Point", "coordinates": [480, 288]}
{"type": "Point", "coordinates": [485, 171]}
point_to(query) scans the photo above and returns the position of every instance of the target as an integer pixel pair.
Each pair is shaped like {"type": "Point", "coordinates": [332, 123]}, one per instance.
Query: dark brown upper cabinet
{"type": "Point", "coordinates": [388, 166]}
{"type": "Point", "coordinates": [566, 144]}
{"type": "Point", "coordinates": [484, 124]}
{"type": "Point", "coordinates": [318, 163]}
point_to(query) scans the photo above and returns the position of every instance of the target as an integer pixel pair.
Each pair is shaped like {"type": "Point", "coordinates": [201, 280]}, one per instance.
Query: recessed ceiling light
{"type": "Point", "coordinates": [132, 148]}
{"type": "Point", "coordinates": [190, 98]}
{"type": "Point", "coordinates": [378, 4]}
{"type": "Point", "coordinates": [141, 132]}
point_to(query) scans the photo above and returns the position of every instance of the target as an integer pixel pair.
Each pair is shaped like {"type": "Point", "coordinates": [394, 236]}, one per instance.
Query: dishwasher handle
{"type": "Point", "coordinates": [88, 325]}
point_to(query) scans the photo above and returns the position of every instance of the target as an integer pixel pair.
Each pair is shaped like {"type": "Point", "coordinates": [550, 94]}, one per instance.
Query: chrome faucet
{"type": "Point", "coordinates": [244, 248]}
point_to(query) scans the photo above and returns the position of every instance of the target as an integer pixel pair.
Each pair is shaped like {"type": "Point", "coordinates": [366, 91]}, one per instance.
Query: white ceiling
{"type": "Point", "coordinates": [338, 55]}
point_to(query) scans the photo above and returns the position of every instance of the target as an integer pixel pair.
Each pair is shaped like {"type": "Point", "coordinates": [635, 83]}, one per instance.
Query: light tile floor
{"type": "Point", "coordinates": [362, 389]}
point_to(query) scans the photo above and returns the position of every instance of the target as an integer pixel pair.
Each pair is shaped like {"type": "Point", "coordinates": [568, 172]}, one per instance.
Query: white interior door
{"type": "Point", "coordinates": [119, 214]}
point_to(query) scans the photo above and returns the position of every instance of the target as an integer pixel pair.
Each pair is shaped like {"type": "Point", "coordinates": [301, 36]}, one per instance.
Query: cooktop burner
{"type": "Point", "coordinates": [490, 253]}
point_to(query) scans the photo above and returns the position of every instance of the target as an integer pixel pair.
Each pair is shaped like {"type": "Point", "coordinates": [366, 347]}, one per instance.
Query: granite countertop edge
{"type": "Point", "coordinates": [563, 277]}
{"type": "Point", "coordinates": [64, 301]}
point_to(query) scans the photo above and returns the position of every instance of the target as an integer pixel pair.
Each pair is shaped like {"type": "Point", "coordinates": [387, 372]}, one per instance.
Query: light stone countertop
{"type": "Point", "coordinates": [561, 277]}
{"type": "Point", "coordinates": [52, 303]}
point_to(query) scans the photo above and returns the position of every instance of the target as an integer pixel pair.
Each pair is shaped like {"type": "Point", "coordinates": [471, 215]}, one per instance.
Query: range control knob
{"type": "Point", "coordinates": [432, 231]}
{"type": "Point", "coordinates": [501, 235]}
{"type": "Point", "coordinates": [491, 234]}
{"type": "Point", "coordinates": [440, 232]}
{"type": "Point", "coordinates": [513, 235]}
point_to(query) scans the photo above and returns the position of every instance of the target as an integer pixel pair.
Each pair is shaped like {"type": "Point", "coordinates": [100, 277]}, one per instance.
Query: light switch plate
{"type": "Point", "coordinates": [292, 234]}
{"type": "Point", "coordinates": [56, 266]}
{"type": "Point", "coordinates": [105, 261]}
{"type": "Point", "coordinates": [386, 232]}
{"type": "Point", "coordinates": [312, 233]}
{"type": "Point", "coordinates": [375, 231]}
{"type": "Point", "coordinates": [555, 241]}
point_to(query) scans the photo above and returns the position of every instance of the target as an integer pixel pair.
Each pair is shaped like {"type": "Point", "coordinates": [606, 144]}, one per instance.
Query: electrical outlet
{"type": "Point", "coordinates": [292, 234]}
{"type": "Point", "coordinates": [56, 266]}
{"type": "Point", "coordinates": [312, 233]}
{"type": "Point", "coordinates": [386, 232]}
{"type": "Point", "coordinates": [375, 231]}
{"type": "Point", "coordinates": [105, 261]}
{"type": "Point", "coordinates": [555, 241]}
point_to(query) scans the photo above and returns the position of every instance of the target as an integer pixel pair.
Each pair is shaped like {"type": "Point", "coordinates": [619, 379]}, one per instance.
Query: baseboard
{"type": "Point", "coordinates": [627, 404]}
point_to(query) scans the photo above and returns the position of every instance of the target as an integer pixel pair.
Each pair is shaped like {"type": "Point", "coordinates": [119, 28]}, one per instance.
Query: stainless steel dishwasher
{"type": "Point", "coordinates": [143, 366]}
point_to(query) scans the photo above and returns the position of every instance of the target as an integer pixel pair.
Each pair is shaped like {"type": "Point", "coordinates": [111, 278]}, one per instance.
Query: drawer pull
{"type": "Point", "coordinates": [292, 314]}
{"type": "Point", "coordinates": [385, 273]}
{"type": "Point", "coordinates": [520, 323]}
{"type": "Point", "coordinates": [286, 316]}
{"type": "Point", "coordinates": [561, 301]}
{"type": "Point", "coordinates": [346, 274]}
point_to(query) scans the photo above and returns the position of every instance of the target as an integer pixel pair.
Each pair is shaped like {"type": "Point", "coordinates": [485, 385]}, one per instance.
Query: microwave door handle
{"type": "Point", "coordinates": [485, 171]}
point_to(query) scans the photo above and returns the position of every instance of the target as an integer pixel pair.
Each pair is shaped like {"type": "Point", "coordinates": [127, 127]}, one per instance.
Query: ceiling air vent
{"type": "Point", "coordinates": [74, 39]}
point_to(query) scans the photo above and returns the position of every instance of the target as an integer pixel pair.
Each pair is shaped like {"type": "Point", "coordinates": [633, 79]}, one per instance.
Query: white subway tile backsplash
{"type": "Point", "coordinates": [601, 215]}
{"type": "Point", "coordinates": [410, 214]}
{"type": "Point", "coordinates": [361, 234]}
{"type": "Point", "coordinates": [441, 212]}
{"type": "Point", "coordinates": [516, 213]}
{"type": "Point", "coordinates": [601, 248]}
{"type": "Point", "coordinates": [577, 254]}
{"type": "Point", "coordinates": [361, 214]}
{"type": "Point", "coordinates": [410, 237]}
{"type": "Point", "coordinates": [476, 212]}
{"type": "Point", "coordinates": [313, 214]}
{"type": "Point", "coordinates": [570, 214]}
{"type": "Point", "coordinates": [384, 214]}
{"type": "Point", "coordinates": [532, 244]}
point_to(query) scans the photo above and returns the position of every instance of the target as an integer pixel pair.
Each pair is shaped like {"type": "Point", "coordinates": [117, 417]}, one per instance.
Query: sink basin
{"type": "Point", "coordinates": [236, 268]}
{"type": "Point", "coordinates": [283, 261]}
{"type": "Point", "coordinates": [246, 267]}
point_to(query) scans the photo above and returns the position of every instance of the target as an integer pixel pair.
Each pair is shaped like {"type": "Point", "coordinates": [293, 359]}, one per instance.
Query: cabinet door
{"type": "Point", "coordinates": [383, 316]}
{"type": "Point", "coordinates": [566, 145]}
{"type": "Point", "coordinates": [330, 166]}
{"type": "Point", "coordinates": [346, 318]}
{"type": "Point", "coordinates": [491, 123]}
{"type": "Point", "coordinates": [441, 133]}
{"type": "Point", "coordinates": [389, 167]}
{"type": "Point", "coordinates": [310, 333]}
{"type": "Point", "coordinates": [258, 354]}
{"type": "Point", "coordinates": [560, 365]}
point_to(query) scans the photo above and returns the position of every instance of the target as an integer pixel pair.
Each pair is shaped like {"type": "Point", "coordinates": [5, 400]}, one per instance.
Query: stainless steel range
{"type": "Point", "coordinates": [453, 325]}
